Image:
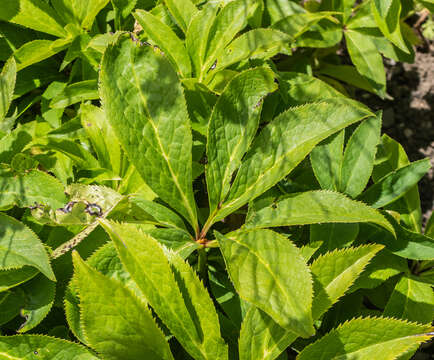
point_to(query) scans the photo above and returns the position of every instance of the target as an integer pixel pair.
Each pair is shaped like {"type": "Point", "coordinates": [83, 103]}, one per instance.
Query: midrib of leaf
{"type": "Point", "coordinates": [213, 55]}
{"type": "Point", "coordinates": [175, 178]}
{"type": "Point", "coordinates": [347, 270]}
{"type": "Point", "coordinates": [10, 357]}
{"type": "Point", "coordinates": [411, 215]}
{"type": "Point", "coordinates": [269, 270]}
{"type": "Point", "coordinates": [227, 176]}
{"type": "Point", "coordinates": [265, 172]}
{"type": "Point", "coordinates": [383, 344]}
{"type": "Point", "coordinates": [362, 54]}
{"type": "Point", "coordinates": [269, 351]}
{"type": "Point", "coordinates": [155, 288]}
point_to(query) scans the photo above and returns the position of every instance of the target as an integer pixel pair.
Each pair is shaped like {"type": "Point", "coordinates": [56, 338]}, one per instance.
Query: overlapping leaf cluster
{"type": "Point", "coordinates": [224, 199]}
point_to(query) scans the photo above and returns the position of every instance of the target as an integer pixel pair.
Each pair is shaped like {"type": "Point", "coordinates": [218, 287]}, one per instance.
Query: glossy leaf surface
{"type": "Point", "coordinates": [106, 305]}
{"type": "Point", "coordinates": [286, 141]}
{"type": "Point", "coordinates": [165, 288]}
{"type": "Point", "coordinates": [145, 105]}
{"type": "Point", "coordinates": [380, 338]}
{"type": "Point", "coordinates": [19, 246]}
{"type": "Point", "coordinates": [38, 346]}
{"type": "Point", "coordinates": [335, 272]}
{"type": "Point", "coordinates": [314, 207]}
{"type": "Point", "coordinates": [232, 126]}
{"type": "Point", "coordinates": [268, 271]}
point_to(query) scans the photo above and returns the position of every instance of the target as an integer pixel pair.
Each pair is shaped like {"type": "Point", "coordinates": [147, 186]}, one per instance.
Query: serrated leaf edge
{"type": "Point", "coordinates": [300, 257]}
{"type": "Point", "coordinates": [377, 247]}
{"type": "Point", "coordinates": [134, 296]}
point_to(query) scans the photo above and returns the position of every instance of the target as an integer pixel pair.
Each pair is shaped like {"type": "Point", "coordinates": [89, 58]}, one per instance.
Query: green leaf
{"type": "Point", "coordinates": [182, 11]}
{"type": "Point", "coordinates": [332, 236]}
{"type": "Point", "coordinates": [411, 300]}
{"type": "Point", "coordinates": [162, 215]}
{"type": "Point", "coordinates": [359, 155]}
{"type": "Point", "coordinates": [34, 14]}
{"type": "Point", "coordinates": [272, 157]}
{"type": "Point", "coordinates": [200, 103]}
{"type": "Point", "coordinates": [322, 34]}
{"type": "Point", "coordinates": [74, 93]}
{"type": "Point", "coordinates": [40, 293]}
{"type": "Point", "coordinates": [167, 40]}
{"type": "Point", "coordinates": [196, 38]}
{"type": "Point", "coordinates": [179, 241]}
{"type": "Point", "coordinates": [347, 74]}
{"type": "Point", "coordinates": [279, 9]}
{"type": "Point", "coordinates": [10, 304]}
{"type": "Point", "coordinates": [38, 50]}
{"type": "Point", "coordinates": [387, 14]}
{"type": "Point", "coordinates": [149, 116]}
{"type": "Point", "coordinates": [27, 189]}
{"type": "Point", "coordinates": [326, 159]}
{"type": "Point", "coordinates": [7, 86]}
{"type": "Point", "coordinates": [14, 142]}
{"type": "Point", "coordinates": [232, 127]}
{"type": "Point", "coordinates": [429, 228]}
{"type": "Point", "coordinates": [123, 8]}
{"type": "Point", "coordinates": [14, 277]}
{"type": "Point", "coordinates": [391, 51]}
{"type": "Point", "coordinates": [429, 4]}
{"type": "Point", "coordinates": [39, 346]}
{"type": "Point", "coordinates": [105, 260]}
{"type": "Point", "coordinates": [107, 148]}
{"type": "Point", "coordinates": [394, 185]}
{"type": "Point", "coordinates": [254, 44]}
{"type": "Point", "coordinates": [297, 24]}
{"type": "Point", "coordinates": [165, 289]}
{"type": "Point", "coordinates": [313, 207]}
{"type": "Point", "coordinates": [80, 12]}
{"type": "Point", "coordinates": [229, 21]}
{"type": "Point", "coordinates": [367, 60]}
{"type": "Point", "coordinates": [261, 337]}
{"type": "Point", "coordinates": [382, 267]}
{"type": "Point", "coordinates": [205, 313]}
{"type": "Point", "coordinates": [19, 246]}
{"type": "Point", "coordinates": [299, 89]}
{"type": "Point", "coordinates": [335, 272]}
{"type": "Point", "coordinates": [407, 244]}
{"type": "Point", "coordinates": [106, 305]}
{"type": "Point", "coordinates": [76, 152]}
{"type": "Point", "coordinates": [391, 156]}
{"type": "Point", "coordinates": [369, 338]}
{"type": "Point", "coordinates": [268, 271]}
{"type": "Point", "coordinates": [344, 6]}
